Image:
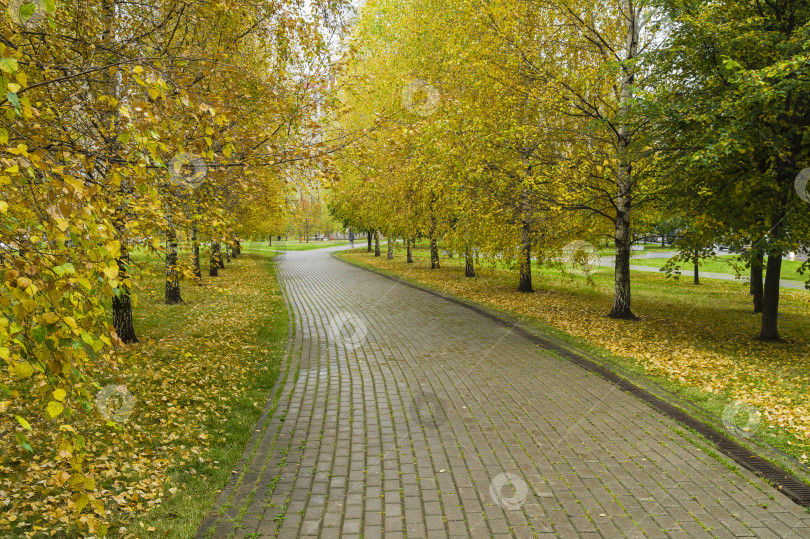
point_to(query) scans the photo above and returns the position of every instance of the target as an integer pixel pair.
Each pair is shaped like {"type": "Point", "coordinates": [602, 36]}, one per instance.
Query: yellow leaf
{"type": "Point", "coordinates": [111, 271]}
{"type": "Point", "coordinates": [25, 424]}
{"type": "Point", "coordinates": [54, 409]}
{"type": "Point", "coordinates": [60, 478]}
{"type": "Point", "coordinates": [98, 507]}
{"type": "Point", "coordinates": [49, 318]}
{"type": "Point", "coordinates": [114, 248]}
{"type": "Point", "coordinates": [3, 206]}
{"type": "Point", "coordinates": [81, 500]}
{"type": "Point", "coordinates": [23, 370]}
{"type": "Point", "coordinates": [59, 395]}
{"type": "Point", "coordinates": [77, 185]}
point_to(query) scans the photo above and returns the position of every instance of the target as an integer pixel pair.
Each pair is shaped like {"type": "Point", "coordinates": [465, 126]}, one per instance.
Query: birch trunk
{"type": "Point", "coordinates": [435, 263]}
{"type": "Point", "coordinates": [469, 264]}
{"type": "Point", "coordinates": [525, 245]}
{"type": "Point", "coordinates": [195, 252]}
{"type": "Point", "coordinates": [214, 262]}
{"type": "Point", "coordinates": [624, 179]}
{"type": "Point", "coordinates": [172, 295]}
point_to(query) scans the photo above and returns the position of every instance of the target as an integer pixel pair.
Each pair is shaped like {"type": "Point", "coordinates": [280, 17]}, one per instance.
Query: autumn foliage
{"type": "Point", "coordinates": [129, 128]}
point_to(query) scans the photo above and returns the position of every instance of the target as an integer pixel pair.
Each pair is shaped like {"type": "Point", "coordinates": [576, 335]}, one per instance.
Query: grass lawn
{"type": "Point", "coordinates": [282, 246]}
{"type": "Point", "coordinates": [724, 264]}
{"type": "Point", "coordinates": [200, 378]}
{"type": "Point", "coordinates": [697, 341]}
{"type": "Point", "coordinates": [648, 248]}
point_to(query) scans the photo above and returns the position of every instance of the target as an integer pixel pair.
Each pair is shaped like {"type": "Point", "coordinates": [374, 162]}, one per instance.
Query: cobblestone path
{"type": "Point", "coordinates": [404, 414]}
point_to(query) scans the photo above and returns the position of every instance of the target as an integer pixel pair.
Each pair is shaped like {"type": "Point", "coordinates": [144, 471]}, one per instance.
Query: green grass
{"type": "Point", "coordinates": [725, 264]}
{"type": "Point", "coordinates": [648, 248]}
{"type": "Point", "coordinates": [199, 483]}
{"type": "Point", "coordinates": [283, 246]}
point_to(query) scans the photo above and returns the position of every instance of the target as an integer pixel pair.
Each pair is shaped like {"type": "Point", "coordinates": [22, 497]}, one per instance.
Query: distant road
{"type": "Point", "coordinates": [784, 283]}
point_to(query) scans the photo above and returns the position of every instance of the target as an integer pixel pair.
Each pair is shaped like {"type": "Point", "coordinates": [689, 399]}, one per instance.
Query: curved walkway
{"type": "Point", "coordinates": [408, 415]}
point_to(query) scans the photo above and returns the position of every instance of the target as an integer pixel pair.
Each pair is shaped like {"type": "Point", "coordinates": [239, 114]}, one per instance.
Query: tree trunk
{"type": "Point", "coordinates": [435, 263]}
{"type": "Point", "coordinates": [270, 241]}
{"type": "Point", "coordinates": [237, 248]}
{"type": "Point", "coordinates": [469, 265]}
{"type": "Point", "coordinates": [368, 239]}
{"type": "Point", "coordinates": [624, 179]}
{"type": "Point", "coordinates": [525, 246]}
{"type": "Point", "coordinates": [621, 300]}
{"type": "Point", "coordinates": [769, 330]}
{"type": "Point", "coordinates": [697, 268]}
{"type": "Point", "coordinates": [195, 253]}
{"type": "Point", "coordinates": [376, 243]}
{"type": "Point", "coordinates": [391, 247]}
{"type": "Point", "coordinates": [122, 301]}
{"type": "Point", "coordinates": [216, 259]}
{"type": "Point", "coordinates": [757, 261]}
{"type": "Point", "coordinates": [410, 251]}
{"type": "Point", "coordinates": [172, 295]}
{"type": "Point", "coordinates": [227, 252]}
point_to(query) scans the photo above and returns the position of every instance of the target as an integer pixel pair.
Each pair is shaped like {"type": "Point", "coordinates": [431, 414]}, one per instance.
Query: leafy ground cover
{"type": "Point", "coordinates": [712, 364]}
{"type": "Point", "coordinates": [198, 381]}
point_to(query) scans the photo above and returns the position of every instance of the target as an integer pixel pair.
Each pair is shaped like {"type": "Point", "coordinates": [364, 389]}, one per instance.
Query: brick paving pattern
{"type": "Point", "coordinates": [404, 414]}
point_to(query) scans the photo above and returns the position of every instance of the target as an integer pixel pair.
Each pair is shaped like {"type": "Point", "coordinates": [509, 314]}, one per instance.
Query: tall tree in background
{"type": "Point", "coordinates": [738, 106]}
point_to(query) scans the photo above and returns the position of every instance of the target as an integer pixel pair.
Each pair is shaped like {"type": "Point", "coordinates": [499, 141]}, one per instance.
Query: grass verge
{"type": "Point", "coordinates": [199, 380]}
{"type": "Point", "coordinates": [235, 332]}
{"type": "Point", "coordinates": [284, 246]}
